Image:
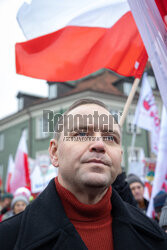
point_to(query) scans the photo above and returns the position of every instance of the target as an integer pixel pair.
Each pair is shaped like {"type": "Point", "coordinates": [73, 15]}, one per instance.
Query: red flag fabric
{"type": "Point", "coordinates": [162, 6]}
{"type": "Point", "coordinates": [77, 40]}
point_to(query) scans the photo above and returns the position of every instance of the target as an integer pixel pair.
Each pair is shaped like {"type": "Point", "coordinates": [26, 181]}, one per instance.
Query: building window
{"type": "Point", "coordinates": [39, 129]}
{"type": "Point", "coordinates": [20, 103]}
{"type": "Point", "coordinates": [152, 82]}
{"type": "Point", "coordinates": [1, 142]}
{"type": "Point", "coordinates": [134, 154]}
{"type": "Point", "coordinates": [130, 126]}
{"type": "Point", "coordinates": [135, 161]}
{"type": "Point", "coordinates": [127, 88]}
{"type": "Point", "coordinates": [52, 91]}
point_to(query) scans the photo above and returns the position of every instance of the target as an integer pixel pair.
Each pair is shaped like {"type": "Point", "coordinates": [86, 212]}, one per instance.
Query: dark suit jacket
{"type": "Point", "coordinates": [45, 226]}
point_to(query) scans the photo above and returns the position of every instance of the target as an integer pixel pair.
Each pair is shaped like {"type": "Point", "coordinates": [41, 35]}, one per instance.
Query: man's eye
{"type": "Point", "coordinates": [110, 138]}
{"type": "Point", "coordinates": [82, 134]}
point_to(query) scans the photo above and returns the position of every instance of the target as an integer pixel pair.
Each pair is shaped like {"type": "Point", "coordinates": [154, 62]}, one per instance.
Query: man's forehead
{"type": "Point", "coordinates": [97, 114]}
{"type": "Point", "coordinates": [89, 109]}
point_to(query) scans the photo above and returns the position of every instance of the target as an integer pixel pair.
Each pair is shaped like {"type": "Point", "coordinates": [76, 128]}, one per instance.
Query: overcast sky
{"type": "Point", "coordinates": [10, 82]}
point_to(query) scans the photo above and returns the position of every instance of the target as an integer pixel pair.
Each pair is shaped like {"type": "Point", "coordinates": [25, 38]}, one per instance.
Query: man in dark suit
{"type": "Point", "coordinates": [79, 209]}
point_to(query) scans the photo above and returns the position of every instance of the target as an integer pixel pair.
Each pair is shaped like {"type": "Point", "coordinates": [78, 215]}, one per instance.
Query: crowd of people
{"type": "Point", "coordinates": [91, 204]}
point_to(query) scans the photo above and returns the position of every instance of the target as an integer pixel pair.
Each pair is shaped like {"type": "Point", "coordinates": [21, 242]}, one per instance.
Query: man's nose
{"type": "Point", "coordinates": [97, 146]}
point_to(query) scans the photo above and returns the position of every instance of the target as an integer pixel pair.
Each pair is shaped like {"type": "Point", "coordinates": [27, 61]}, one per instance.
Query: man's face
{"type": "Point", "coordinates": [89, 163]}
{"type": "Point", "coordinates": [137, 190]}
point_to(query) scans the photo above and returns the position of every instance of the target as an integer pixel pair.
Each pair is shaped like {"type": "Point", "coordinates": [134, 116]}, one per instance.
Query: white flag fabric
{"type": "Point", "coordinates": [153, 33]}
{"type": "Point", "coordinates": [146, 115]}
{"type": "Point", "coordinates": [55, 15]}
{"type": "Point", "coordinates": [159, 182]}
{"type": "Point", "coordinates": [9, 173]}
{"type": "Point", "coordinates": [20, 177]}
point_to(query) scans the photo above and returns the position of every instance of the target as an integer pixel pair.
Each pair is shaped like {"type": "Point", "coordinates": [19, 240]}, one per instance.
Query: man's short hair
{"type": "Point", "coordinates": [75, 105]}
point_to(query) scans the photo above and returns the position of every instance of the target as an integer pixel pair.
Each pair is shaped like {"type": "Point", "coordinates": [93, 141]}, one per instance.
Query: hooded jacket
{"type": "Point", "coordinates": [44, 226]}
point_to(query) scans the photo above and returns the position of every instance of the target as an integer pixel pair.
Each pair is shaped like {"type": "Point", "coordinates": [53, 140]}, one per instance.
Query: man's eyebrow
{"type": "Point", "coordinates": [85, 128]}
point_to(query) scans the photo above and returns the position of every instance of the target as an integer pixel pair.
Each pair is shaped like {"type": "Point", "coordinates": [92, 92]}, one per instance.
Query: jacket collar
{"type": "Point", "coordinates": [45, 219]}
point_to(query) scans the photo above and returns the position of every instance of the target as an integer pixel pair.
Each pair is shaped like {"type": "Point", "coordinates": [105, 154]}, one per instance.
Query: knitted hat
{"type": "Point", "coordinates": [163, 216]}
{"type": "Point", "coordinates": [7, 195]}
{"type": "Point", "coordinates": [131, 178]}
{"type": "Point", "coordinates": [23, 191]}
{"type": "Point", "coordinates": [19, 198]}
{"type": "Point", "coordinates": [159, 201]}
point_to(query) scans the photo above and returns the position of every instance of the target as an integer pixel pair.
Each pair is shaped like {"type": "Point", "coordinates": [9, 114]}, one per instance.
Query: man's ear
{"type": "Point", "coordinates": [120, 168]}
{"type": "Point", "coordinates": [53, 152]}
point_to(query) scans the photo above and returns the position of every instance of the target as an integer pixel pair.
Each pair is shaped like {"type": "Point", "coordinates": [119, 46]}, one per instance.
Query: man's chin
{"type": "Point", "coordinates": [96, 181]}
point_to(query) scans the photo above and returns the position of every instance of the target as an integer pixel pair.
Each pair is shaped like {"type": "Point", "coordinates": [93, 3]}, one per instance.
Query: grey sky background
{"type": "Point", "coordinates": [10, 82]}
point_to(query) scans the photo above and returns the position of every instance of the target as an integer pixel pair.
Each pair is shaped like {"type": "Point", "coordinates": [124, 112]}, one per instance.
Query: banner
{"type": "Point", "coordinates": [154, 34]}
{"type": "Point", "coordinates": [149, 169]}
{"type": "Point", "coordinates": [42, 173]}
{"type": "Point", "coordinates": [146, 115]}
{"type": "Point", "coordinates": [160, 179]}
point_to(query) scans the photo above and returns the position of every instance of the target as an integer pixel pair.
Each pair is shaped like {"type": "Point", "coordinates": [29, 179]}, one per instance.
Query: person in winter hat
{"type": "Point", "coordinates": [159, 201]}
{"type": "Point", "coordinates": [23, 191]}
{"type": "Point", "coordinates": [137, 188]}
{"type": "Point", "coordinates": [6, 203]}
{"type": "Point", "coordinates": [163, 217]}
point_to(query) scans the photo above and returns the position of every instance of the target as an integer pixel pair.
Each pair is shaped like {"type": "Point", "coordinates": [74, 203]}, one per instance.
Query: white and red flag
{"type": "Point", "coordinates": [70, 39]}
{"type": "Point", "coordinates": [21, 175]}
{"type": "Point", "coordinates": [9, 173]}
{"type": "Point", "coordinates": [160, 178]}
{"type": "Point", "coordinates": [151, 19]}
{"type": "Point", "coordinates": [146, 115]}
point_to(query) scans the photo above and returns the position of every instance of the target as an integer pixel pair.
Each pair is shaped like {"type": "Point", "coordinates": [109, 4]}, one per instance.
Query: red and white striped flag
{"type": "Point", "coordinates": [21, 175]}
{"type": "Point", "coordinates": [70, 39]}
{"type": "Point", "coordinates": [9, 173]}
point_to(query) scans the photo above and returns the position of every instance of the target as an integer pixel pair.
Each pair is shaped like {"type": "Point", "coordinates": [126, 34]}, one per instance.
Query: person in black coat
{"type": "Point", "coordinates": [87, 168]}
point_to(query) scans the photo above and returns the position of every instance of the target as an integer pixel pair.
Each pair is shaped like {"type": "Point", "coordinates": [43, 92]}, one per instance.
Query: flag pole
{"type": "Point", "coordinates": [129, 100]}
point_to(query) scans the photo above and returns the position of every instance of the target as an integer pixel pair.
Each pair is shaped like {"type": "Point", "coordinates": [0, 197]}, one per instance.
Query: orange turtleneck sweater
{"type": "Point", "coordinates": [92, 222]}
